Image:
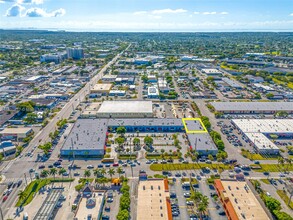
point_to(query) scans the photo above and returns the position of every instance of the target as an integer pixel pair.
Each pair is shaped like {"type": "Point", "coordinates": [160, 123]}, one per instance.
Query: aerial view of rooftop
{"type": "Point", "coordinates": [146, 110]}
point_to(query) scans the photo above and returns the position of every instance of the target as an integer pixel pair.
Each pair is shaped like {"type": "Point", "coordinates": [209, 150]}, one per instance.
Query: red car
{"type": "Point", "coordinates": [115, 165]}
{"type": "Point", "coordinates": [5, 198]}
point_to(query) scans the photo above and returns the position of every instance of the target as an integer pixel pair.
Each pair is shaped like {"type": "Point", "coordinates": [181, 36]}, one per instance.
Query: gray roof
{"type": "Point", "coordinates": [231, 82]}
{"type": "Point", "coordinates": [87, 134]}
{"type": "Point", "coordinates": [201, 142]}
{"type": "Point", "coordinates": [145, 121]}
{"type": "Point", "coordinates": [126, 107]}
{"type": "Point", "coordinates": [194, 125]}
{"type": "Point", "coordinates": [253, 106]}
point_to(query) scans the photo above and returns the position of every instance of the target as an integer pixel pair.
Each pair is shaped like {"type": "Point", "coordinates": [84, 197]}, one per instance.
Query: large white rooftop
{"type": "Point", "coordinates": [265, 125]}
{"type": "Point", "coordinates": [253, 106]}
{"type": "Point", "coordinates": [261, 141]}
{"type": "Point", "coordinates": [126, 107]}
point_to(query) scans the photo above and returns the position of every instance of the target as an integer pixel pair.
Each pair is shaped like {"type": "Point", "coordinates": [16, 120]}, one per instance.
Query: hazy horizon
{"type": "Point", "coordinates": [148, 16]}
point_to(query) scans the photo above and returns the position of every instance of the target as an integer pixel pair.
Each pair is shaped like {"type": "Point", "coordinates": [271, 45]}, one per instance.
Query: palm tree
{"type": "Point", "coordinates": [289, 163]}
{"type": "Point", "coordinates": [103, 171]}
{"type": "Point", "coordinates": [111, 172]}
{"type": "Point", "coordinates": [97, 172]}
{"type": "Point", "coordinates": [53, 172]}
{"type": "Point", "coordinates": [44, 173]}
{"type": "Point", "coordinates": [119, 171]}
{"type": "Point", "coordinates": [203, 205]}
{"type": "Point", "coordinates": [102, 180]}
{"type": "Point", "coordinates": [61, 171]}
{"type": "Point", "coordinates": [22, 196]}
{"type": "Point", "coordinates": [280, 160]}
{"type": "Point", "coordinates": [87, 173]}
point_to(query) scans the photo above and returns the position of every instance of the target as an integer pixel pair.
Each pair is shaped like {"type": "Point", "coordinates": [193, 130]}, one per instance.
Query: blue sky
{"type": "Point", "coordinates": [148, 15]}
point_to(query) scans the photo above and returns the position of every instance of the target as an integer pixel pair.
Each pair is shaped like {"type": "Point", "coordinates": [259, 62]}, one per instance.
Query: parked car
{"type": "Point", "coordinates": [4, 198]}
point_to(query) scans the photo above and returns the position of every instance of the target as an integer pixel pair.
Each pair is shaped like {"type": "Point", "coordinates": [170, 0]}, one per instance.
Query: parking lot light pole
{"type": "Point", "coordinates": [25, 179]}
{"type": "Point", "coordinates": [1, 213]}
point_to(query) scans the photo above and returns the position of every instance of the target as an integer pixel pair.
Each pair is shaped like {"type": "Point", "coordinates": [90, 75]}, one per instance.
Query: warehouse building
{"type": "Point", "coordinates": [147, 124]}
{"type": "Point", "coordinates": [86, 139]}
{"type": "Point", "coordinates": [252, 107]}
{"type": "Point", "coordinates": [212, 72]}
{"type": "Point", "coordinates": [239, 201]}
{"type": "Point", "coordinates": [88, 136]}
{"type": "Point", "coordinates": [202, 143]}
{"type": "Point", "coordinates": [258, 131]}
{"type": "Point", "coordinates": [126, 109]}
{"type": "Point", "coordinates": [153, 92]}
{"type": "Point", "coordinates": [153, 200]}
{"type": "Point", "coordinates": [102, 89]}
{"type": "Point", "coordinates": [16, 134]}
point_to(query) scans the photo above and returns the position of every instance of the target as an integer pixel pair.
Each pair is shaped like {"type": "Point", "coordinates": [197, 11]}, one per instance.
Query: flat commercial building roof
{"type": "Point", "coordinates": [87, 134]}
{"type": "Point", "coordinates": [270, 126]}
{"type": "Point", "coordinates": [261, 141]}
{"type": "Point", "coordinates": [257, 131]}
{"type": "Point", "coordinates": [211, 71]}
{"type": "Point", "coordinates": [202, 142]}
{"type": "Point", "coordinates": [231, 82]}
{"type": "Point", "coordinates": [15, 131]}
{"type": "Point", "coordinates": [153, 200]}
{"type": "Point", "coordinates": [102, 87]}
{"type": "Point", "coordinates": [95, 211]}
{"type": "Point", "coordinates": [145, 122]}
{"type": "Point", "coordinates": [126, 107]}
{"type": "Point", "coordinates": [253, 106]}
{"type": "Point", "coordinates": [240, 201]}
{"type": "Point", "coordinates": [90, 134]}
{"type": "Point", "coordinates": [193, 125]}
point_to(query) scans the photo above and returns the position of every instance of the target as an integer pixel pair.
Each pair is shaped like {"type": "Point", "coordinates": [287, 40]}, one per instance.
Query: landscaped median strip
{"type": "Point", "coordinates": [220, 166]}
{"type": "Point", "coordinates": [190, 166]}
{"type": "Point", "coordinates": [273, 167]}
{"type": "Point", "coordinates": [26, 196]}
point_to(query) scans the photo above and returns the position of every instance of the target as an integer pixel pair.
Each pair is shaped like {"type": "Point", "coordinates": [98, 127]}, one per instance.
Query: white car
{"type": "Point", "coordinates": [186, 195]}
{"type": "Point", "coordinates": [282, 175]}
{"type": "Point", "coordinates": [90, 166]}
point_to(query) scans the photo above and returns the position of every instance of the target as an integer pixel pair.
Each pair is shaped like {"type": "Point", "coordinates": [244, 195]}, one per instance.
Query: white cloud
{"type": "Point", "coordinates": [37, 2]}
{"type": "Point", "coordinates": [169, 11]}
{"type": "Point", "coordinates": [291, 14]}
{"type": "Point", "coordinates": [140, 12]}
{"type": "Point", "coordinates": [210, 13]}
{"type": "Point", "coordinates": [155, 16]}
{"type": "Point", "coordinates": [39, 12]}
{"type": "Point", "coordinates": [14, 10]}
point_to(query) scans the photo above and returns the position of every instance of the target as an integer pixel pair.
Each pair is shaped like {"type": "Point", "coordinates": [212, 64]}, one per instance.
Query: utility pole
{"type": "Point", "coordinates": [1, 213]}
{"type": "Point", "coordinates": [25, 179]}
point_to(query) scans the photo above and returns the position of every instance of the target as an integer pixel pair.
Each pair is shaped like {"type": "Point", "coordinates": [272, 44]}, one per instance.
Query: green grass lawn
{"type": "Point", "coordinates": [132, 157]}
{"type": "Point", "coordinates": [159, 157]}
{"type": "Point", "coordinates": [251, 156]}
{"type": "Point", "coordinates": [285, 198]}
{"type": "Point", "coordinates": [189, 166]}
{"type": "Point", "coordinates": [266, 181]}
{"type": "Point", "coordinates": [31, 190]}
{"type": "Point", "coordinates": [35, 186]}
{"type": "Point", "coordinates": [274, 168]}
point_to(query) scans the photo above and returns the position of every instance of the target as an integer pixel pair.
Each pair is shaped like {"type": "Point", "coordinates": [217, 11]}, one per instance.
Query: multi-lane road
{"type": "Point", "coordinates": [17, 168]}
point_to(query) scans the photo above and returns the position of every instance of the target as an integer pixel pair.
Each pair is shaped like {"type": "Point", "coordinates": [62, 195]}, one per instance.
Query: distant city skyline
{"type": "Point", "coordinates": [148, 15]}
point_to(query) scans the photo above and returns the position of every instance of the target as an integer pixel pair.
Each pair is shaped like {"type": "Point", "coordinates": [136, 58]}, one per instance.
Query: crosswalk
{"type": "Point", "coordinates": [8, 180]}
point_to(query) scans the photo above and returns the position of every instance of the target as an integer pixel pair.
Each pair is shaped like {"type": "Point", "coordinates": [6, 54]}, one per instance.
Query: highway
{"type": "Point", "coordinates": [20, 166]}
